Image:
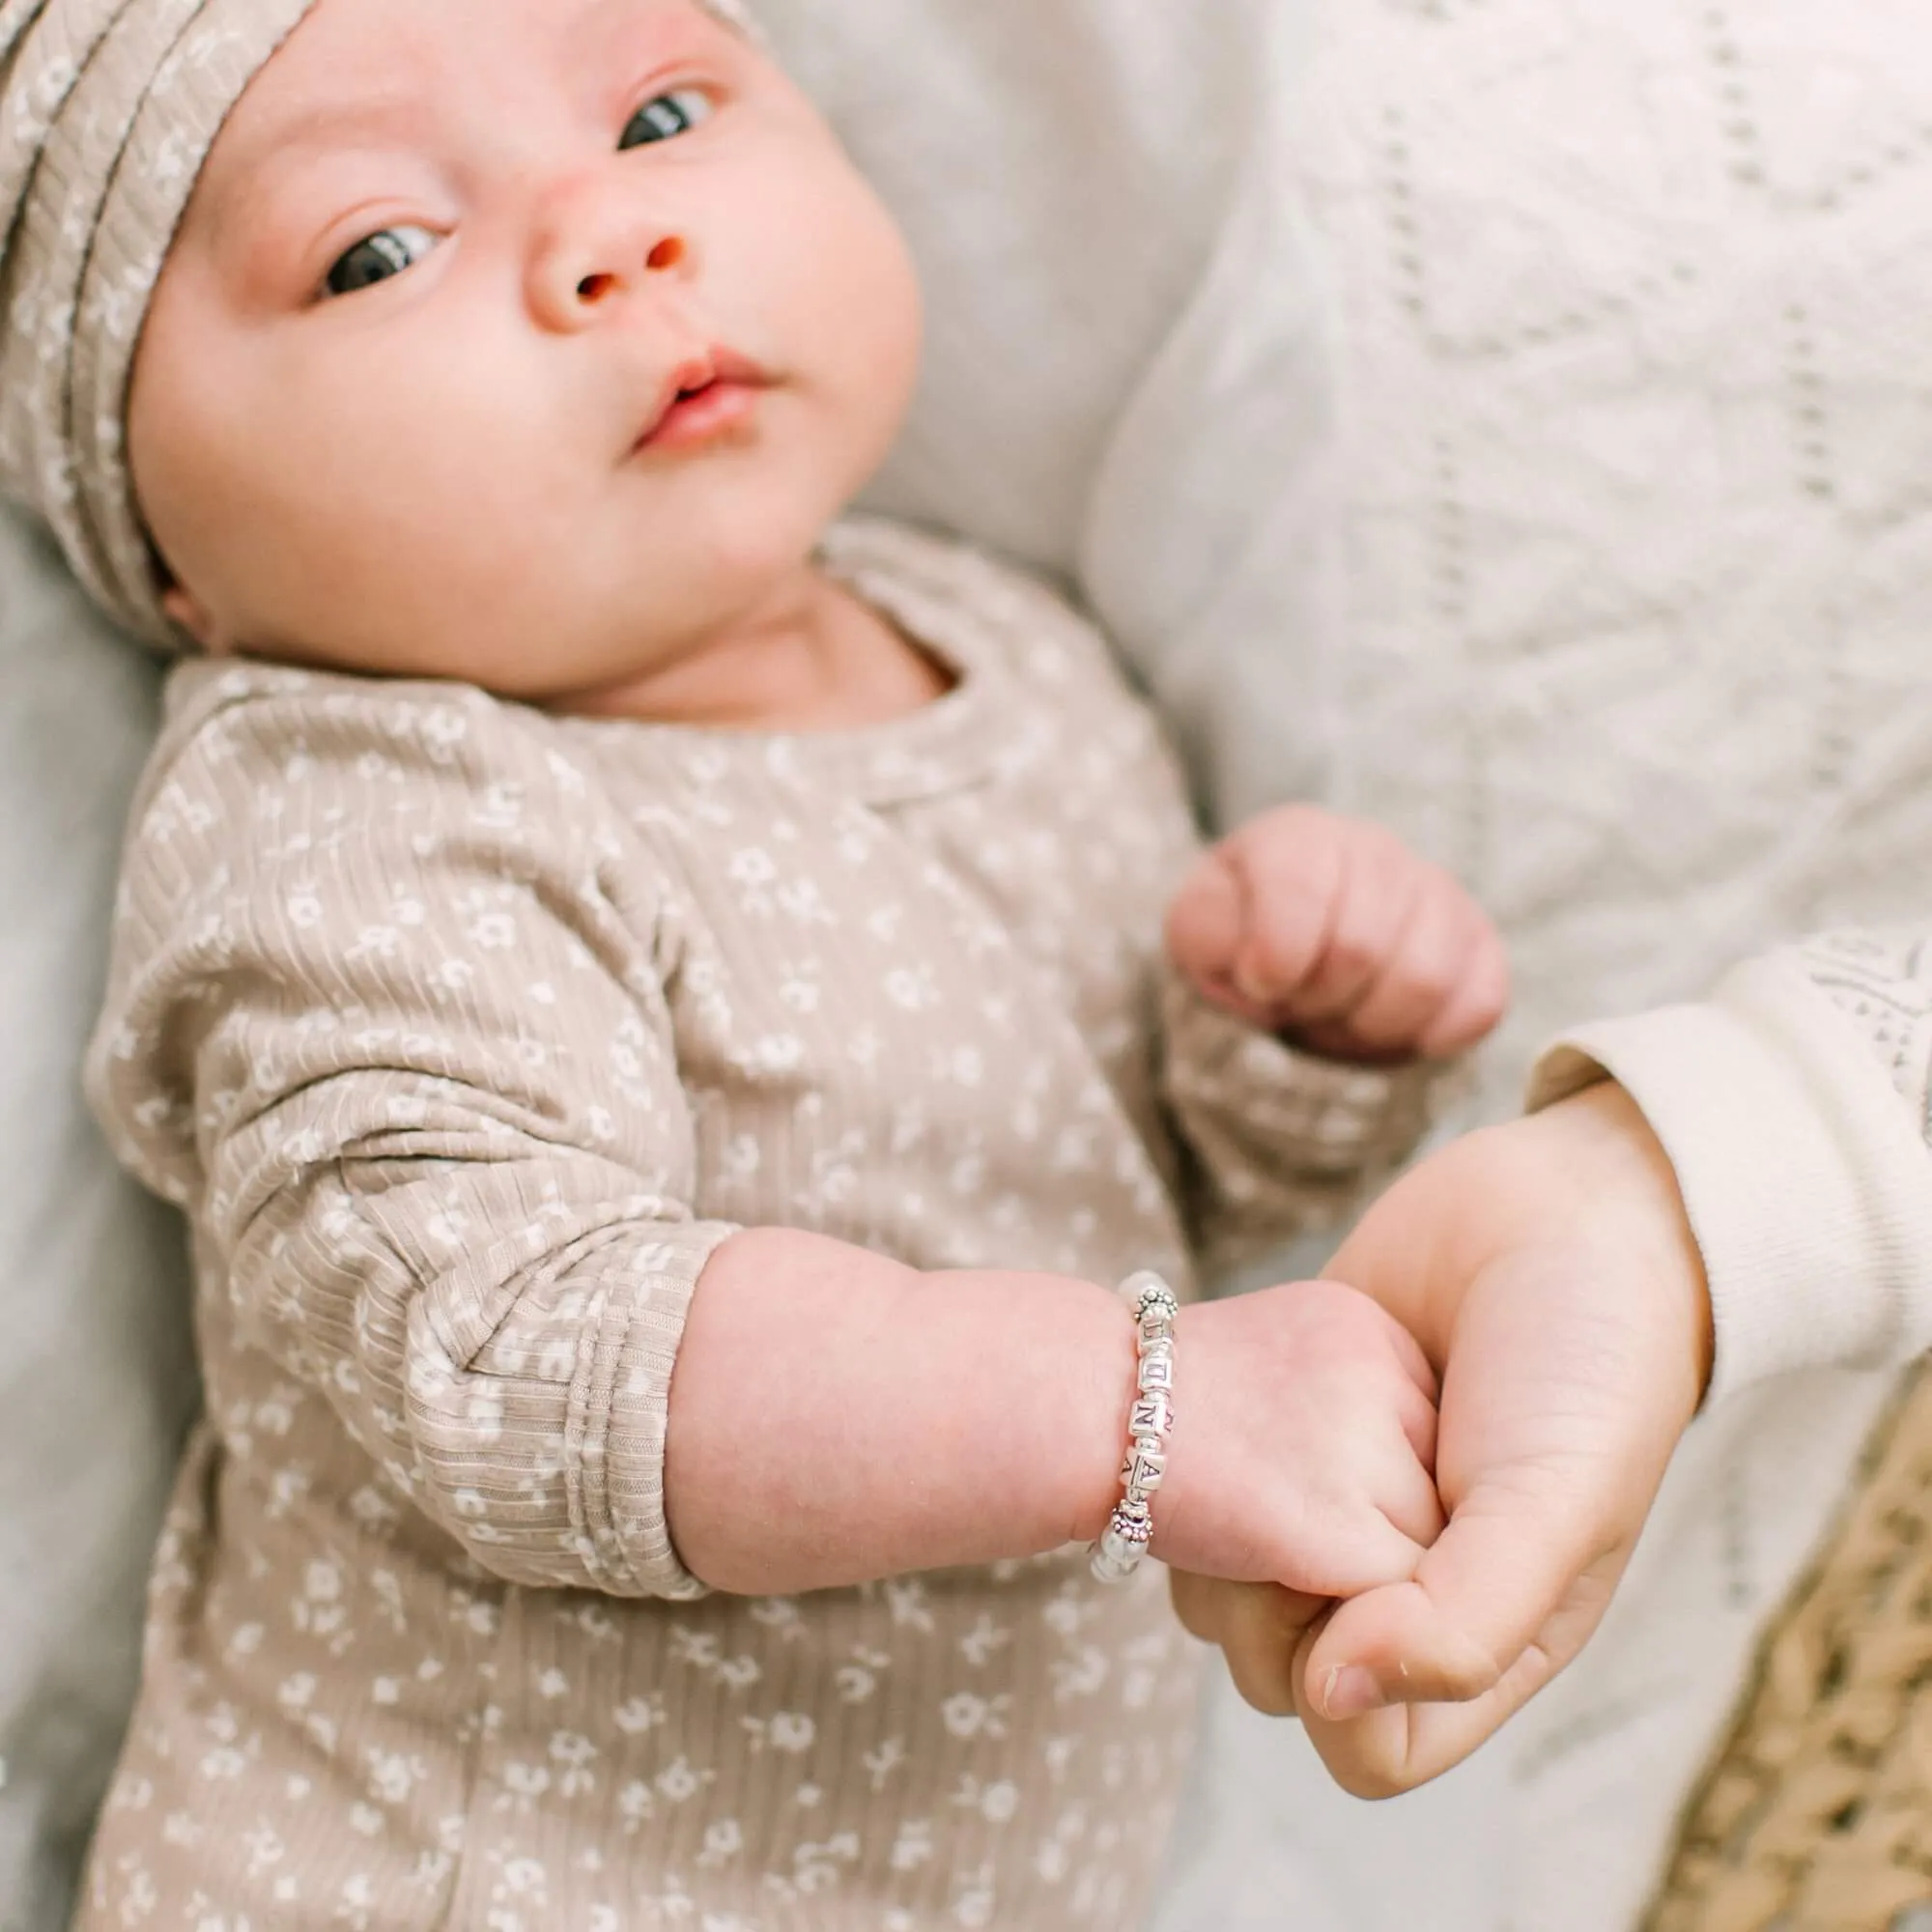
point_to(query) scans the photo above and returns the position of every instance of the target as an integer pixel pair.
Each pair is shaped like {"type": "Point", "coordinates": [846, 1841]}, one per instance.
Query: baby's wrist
{"type": "Point", "coordinates": [951, 1418]}
{"type": "Point", "coordinates": [1096, 1436]}
{"type": "Point", "coordinates": [1203, 1490]}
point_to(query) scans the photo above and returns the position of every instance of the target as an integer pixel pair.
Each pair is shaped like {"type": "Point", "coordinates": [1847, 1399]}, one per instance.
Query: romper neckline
{"type": "Point", "coordinates": [941, 747]}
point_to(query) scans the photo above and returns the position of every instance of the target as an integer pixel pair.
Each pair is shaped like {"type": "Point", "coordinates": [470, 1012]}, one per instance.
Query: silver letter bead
{"type": "Point", "coordinates": [1143, 1469]}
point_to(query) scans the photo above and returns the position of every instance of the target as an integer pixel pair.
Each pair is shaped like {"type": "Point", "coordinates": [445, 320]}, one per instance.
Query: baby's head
{"type": "Point", "coordinates": [520, 341]}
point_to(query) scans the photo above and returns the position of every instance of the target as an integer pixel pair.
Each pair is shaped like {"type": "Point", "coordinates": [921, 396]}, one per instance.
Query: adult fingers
{"type": "Point", "coordinates": [1398, 1748]}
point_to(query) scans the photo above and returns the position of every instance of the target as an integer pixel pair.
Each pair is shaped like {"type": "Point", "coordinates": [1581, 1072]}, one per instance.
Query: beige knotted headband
{"type": "Point", "coordinates": [107, 111]}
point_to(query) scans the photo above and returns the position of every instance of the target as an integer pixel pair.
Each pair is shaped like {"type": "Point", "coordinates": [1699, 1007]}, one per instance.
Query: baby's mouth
{"type": "Point", "coordinates": [706, 398]}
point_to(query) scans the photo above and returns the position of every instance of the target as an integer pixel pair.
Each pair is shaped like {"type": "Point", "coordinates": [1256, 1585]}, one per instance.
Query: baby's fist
{"type": "Point", "coordinates": [1331, 931]}
{"type": "Point", "coordinates": [1304, 1443]}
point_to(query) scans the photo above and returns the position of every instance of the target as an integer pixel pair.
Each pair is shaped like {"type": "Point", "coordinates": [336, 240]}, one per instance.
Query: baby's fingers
{"type": "Point", "coordinates": [1478, 999]}
{"type": "Point", "coordinates": [1411, 1506]}
{"type": "Point", "coordinates": [1322, 927]}
{"type": "Point", "coordinates": [1258, 1628]}
{"type": "Point", "coordinates": [1372, 1534]}
{"type": "Point", "coordinates": [1261, 1627]}
{"type": "Point", "coordinates": [1443, 985]}
{"type": "Point", "coordinates": [1205, 922]}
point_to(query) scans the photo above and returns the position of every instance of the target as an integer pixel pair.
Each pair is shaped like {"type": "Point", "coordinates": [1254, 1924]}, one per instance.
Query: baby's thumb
{"type": "Point", "coordinates": [1258, 1628]}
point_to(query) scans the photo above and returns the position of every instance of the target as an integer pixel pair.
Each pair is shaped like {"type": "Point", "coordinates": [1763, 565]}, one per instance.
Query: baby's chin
{"type": "Point", "coordinates": [598, 596]}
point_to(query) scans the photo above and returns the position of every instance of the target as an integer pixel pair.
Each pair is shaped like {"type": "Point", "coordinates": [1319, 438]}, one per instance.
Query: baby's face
{"type": "Point", "coordinates": [408, 398]}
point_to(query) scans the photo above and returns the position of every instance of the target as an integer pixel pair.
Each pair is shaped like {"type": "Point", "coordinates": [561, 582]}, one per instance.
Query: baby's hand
{"type": "Point", "coordinates": [1332, 931]}
{"type": "Point", "coordinates": [1300, 1467]}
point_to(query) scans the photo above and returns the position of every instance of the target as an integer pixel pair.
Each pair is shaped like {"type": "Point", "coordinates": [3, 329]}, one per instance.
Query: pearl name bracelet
{"type": "Point", "coordinates": [1150, 1420]}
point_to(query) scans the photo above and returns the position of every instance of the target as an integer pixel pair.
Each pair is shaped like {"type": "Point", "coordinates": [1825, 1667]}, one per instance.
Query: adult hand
{"type": "Point", "coordinates": [1549, 1268]}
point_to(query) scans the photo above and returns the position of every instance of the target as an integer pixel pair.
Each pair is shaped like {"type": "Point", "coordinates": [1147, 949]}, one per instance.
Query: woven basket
{"type": "Point", "coordinates": [1816, 1814]}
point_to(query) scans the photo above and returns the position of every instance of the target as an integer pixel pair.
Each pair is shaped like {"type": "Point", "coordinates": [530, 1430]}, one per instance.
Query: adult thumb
{"type": "Point", "coordinates": [1406, 1680]}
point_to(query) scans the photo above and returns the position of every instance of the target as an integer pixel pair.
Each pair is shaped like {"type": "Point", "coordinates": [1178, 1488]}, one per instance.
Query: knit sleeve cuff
{"type": "Point", "coordinates": [1287, 1107]}
{"type": "Point", "coordinates": [1804, 1176]}
{"type": "Point", "coordinates": [628, 1521]}
{"type": "Point", "coordinates": [1283, 1141]}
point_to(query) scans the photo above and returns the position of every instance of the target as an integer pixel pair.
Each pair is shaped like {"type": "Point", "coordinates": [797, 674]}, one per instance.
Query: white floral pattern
{"type": "Point", "coordinates": [465, 1034]}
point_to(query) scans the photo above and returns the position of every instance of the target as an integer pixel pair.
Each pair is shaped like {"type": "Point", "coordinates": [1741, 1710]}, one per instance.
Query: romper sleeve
{"type": "Point", "coordinates": [1792, 1104]}
{"type": "Point", "coordinates": [388, 1018]}
{"type": "Point", "coordinates": [1279, 1141]}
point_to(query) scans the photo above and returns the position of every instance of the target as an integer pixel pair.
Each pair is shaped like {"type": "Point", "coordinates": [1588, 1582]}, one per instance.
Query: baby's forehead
{"type": "Point", "coordinates": [350, 53]}
{"type": "Point", "coordinates": [370, 73]}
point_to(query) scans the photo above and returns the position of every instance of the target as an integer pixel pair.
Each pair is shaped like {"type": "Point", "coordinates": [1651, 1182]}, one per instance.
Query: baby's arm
{"type": "Point", "coordinates": [1320, 973]}
{"type": "Point", "coordinates": [836, 1417]}
{"type": "Point", "coordinates": [403, 1054]}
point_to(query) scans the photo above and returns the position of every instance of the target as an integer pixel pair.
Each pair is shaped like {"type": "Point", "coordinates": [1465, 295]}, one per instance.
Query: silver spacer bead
{"type": "Point", "coordinates": [1123, 1544]}
{"type": "Point", "coordinates": [1155, 1311]}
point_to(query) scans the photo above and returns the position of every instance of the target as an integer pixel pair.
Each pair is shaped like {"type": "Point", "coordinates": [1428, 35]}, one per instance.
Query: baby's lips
{"type": "Point", "coordinates": [707, 369]}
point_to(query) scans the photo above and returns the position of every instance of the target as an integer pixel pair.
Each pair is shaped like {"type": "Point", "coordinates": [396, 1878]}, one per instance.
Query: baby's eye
{"type": "Point", "coordinates": [666, 117]}
{"type": "Point", "coordinates": [377, 257]}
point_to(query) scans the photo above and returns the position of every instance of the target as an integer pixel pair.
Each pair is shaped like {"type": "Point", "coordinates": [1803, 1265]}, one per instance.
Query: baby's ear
{"type": "Point", "coordinates": [187, 611]}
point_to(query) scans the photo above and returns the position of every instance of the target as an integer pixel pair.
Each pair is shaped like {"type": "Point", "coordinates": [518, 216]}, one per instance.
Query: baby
{"type": "Point", "coordinates": [654, 1000]}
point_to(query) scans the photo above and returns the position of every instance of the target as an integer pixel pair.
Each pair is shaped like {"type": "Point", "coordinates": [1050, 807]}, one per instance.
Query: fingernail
{"type": "Point", "coordinates": [1350, 1692]}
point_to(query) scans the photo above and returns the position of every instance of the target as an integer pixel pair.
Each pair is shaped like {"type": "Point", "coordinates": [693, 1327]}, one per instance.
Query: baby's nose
{"type": "Point", "coordinates": [662, 256]}
{"type": "Point", "coordinates": [595, 245]}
